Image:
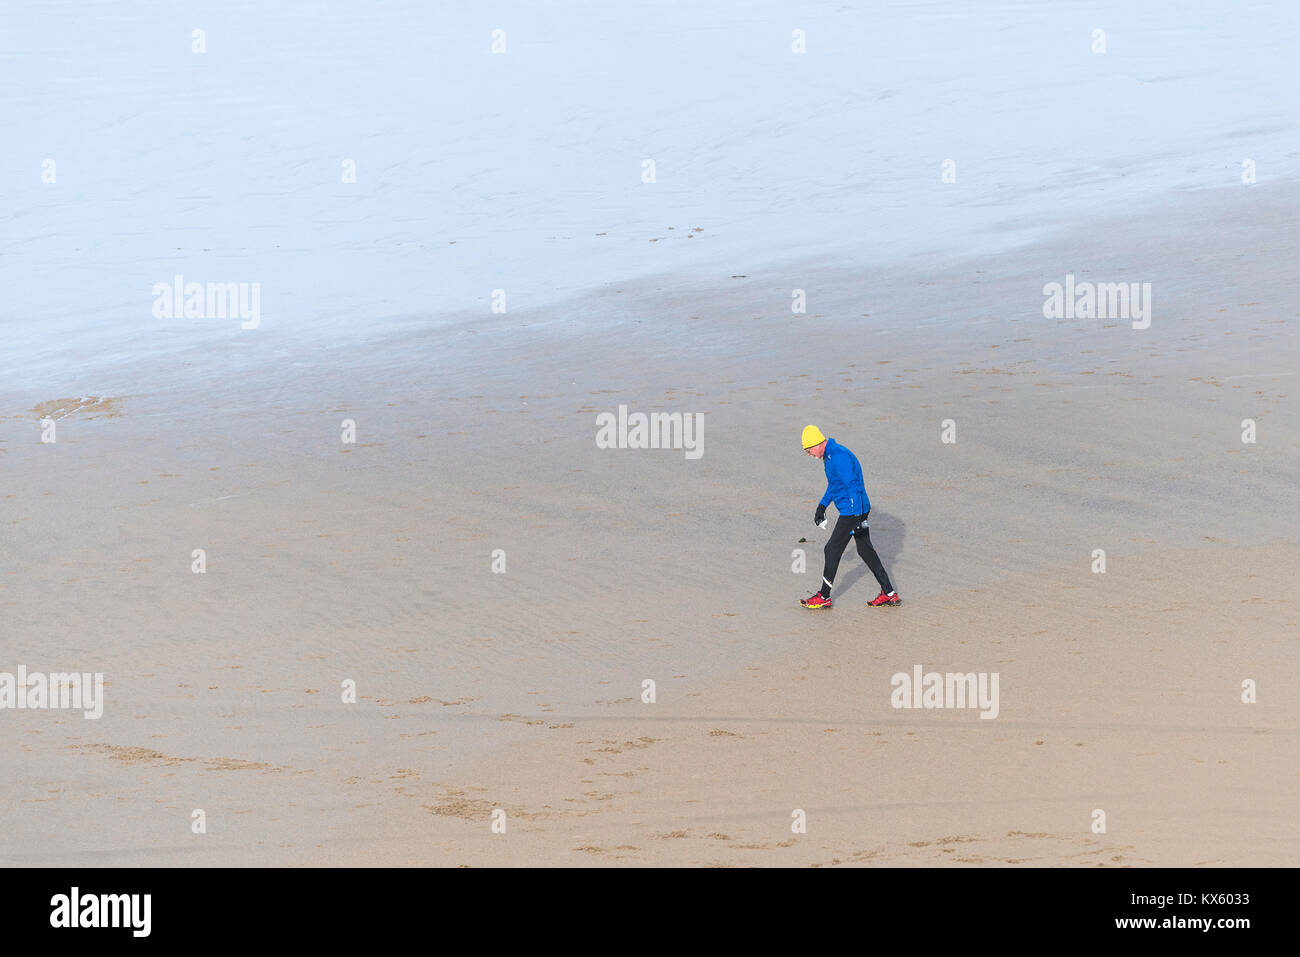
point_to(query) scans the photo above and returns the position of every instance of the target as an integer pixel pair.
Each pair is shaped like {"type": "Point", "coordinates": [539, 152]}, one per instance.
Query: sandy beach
{"type": "Point", "coordinates": [522, 690]}
{"type": "Point", "coordinates": [312, 323]}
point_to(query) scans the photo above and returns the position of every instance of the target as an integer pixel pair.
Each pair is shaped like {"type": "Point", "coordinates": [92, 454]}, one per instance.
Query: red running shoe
{"type": "Point", "coordinates": [883, 599]}
{"type": "Point", "coordinates": [816, 601]}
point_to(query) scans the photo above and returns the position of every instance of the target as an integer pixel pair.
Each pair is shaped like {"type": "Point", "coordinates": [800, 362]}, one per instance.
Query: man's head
{"type": "Point", "coordinates": [814, 443]}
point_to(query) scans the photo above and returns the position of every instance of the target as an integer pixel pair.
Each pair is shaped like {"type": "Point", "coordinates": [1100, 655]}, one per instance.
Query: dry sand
{"type": "Point", "coordinates": [520, 691]}
{"type": "Point", "coordinates": [1120, 695]}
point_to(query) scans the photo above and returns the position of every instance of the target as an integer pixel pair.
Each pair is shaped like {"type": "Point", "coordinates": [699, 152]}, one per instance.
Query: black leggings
{"type": "Point", "coordinates": [852, 526]}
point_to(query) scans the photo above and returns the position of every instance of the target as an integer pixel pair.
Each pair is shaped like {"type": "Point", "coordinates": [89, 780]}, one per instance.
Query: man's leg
{"type": "Point", "coordinates": [840, 536]}
{"type": "Point", "coordinates": [862, 535]}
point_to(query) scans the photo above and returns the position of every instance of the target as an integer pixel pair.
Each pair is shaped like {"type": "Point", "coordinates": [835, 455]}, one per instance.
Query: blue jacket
{"type": "Point", "coordinates": [844, 481]}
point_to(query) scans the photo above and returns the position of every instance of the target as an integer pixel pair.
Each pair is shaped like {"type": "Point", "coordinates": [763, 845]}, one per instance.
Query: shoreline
{"type": "Point", "coordinates": [761, 285]}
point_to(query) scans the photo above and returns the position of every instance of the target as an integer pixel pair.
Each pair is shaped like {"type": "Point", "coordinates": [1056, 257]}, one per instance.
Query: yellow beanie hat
{"type": "Point", "coordinates": [812, 436]}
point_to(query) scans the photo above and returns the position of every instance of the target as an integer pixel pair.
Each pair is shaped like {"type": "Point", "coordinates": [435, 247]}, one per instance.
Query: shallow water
{"type": "Point", "coordinates": [522, 171]}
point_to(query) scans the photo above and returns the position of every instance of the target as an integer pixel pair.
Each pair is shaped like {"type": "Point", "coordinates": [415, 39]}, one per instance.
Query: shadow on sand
{"type": "Point", "coordinates": [887, 535]}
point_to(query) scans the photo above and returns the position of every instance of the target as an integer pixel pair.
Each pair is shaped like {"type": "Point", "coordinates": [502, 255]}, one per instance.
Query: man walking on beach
{"type": "Point", "coordinates": [845, 488]}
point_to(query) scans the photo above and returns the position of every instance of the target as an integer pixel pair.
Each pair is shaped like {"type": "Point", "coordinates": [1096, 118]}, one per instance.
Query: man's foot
{"type": "Point", "coordinates": [816, 601]}
{"type": "Point", "coordinates": [883, 599]}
